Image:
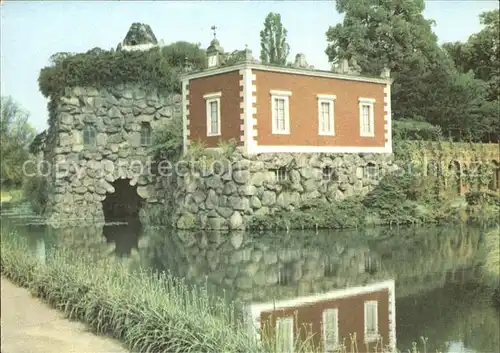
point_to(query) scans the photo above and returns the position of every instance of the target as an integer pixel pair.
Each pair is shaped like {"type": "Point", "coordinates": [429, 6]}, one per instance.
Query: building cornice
{"type": "Point", "coordinates": [286, 70]}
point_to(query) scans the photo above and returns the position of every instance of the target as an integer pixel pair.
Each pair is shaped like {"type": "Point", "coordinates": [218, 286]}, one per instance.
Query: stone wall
{"type": "Point", "coordinates": [81, 176]}
{"type": "Point", "coordinates": [229, 193]}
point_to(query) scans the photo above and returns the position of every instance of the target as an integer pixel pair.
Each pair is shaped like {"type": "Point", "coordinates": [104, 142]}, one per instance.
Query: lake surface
{"type": "Point", "coordinates": [439, 292]}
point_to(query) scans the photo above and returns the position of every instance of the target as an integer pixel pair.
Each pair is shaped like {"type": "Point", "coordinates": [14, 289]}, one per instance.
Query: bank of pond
{"type": "Point", "coordinates": [158, 290]}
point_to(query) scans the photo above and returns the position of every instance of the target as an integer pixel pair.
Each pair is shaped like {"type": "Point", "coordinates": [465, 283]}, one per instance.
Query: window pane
{"type": "Point", "coordinates": [366, 118]}
{"type": "Point", "coordinates": [284, 333]}
{"type": "Point", "coordinates": [89, 134]}
{"type": "Point", "coordinates": [330, 329]}
{"type": "Point", "coordinates": [371, 318]}
{"type": "Point", "coordinates": [213, 118]}
{"type": "Point", "coordinates": [145, 134]}
{"type": "Point", "coordinates": [279, 104]}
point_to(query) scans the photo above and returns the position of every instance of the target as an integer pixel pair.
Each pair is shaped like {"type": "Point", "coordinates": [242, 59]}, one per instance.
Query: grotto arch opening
{"type": "Point", "coordinates": [124, 204]}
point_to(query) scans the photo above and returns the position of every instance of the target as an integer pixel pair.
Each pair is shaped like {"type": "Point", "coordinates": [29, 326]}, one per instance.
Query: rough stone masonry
{"type": "Point", "coordinates": [81, 176]}
{"type": "Point", "coordinates": [229, 194]}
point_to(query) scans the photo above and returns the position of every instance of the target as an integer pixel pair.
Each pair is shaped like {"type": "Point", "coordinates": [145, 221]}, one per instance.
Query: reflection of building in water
{"type": "Point", "coordinates": [278, 269]}
{"type": "Point", "coordinates": [369, 311]}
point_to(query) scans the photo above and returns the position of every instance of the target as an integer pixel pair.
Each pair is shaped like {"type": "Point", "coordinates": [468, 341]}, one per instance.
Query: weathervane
{"type": "Point", "coordinates": [213, 28]}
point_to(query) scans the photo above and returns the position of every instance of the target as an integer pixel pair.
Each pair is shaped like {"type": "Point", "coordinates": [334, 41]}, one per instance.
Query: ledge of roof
{"type": "Point", "coordinates": [283, 69]}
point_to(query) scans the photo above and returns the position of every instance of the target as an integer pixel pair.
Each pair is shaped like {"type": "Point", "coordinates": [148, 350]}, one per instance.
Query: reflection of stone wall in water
{"type": "Point", "coordinates": [262, 268]}
{"type": "Point", "coordinates": [88, 239]}
{"type": "Point", "coordinates": [227, 196]}
{"type": "Point", "coordinates": [116, 116]}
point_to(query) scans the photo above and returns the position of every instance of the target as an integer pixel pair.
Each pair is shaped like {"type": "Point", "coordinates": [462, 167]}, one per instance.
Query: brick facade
{"type": "Point", "coordinates": [246, 109]}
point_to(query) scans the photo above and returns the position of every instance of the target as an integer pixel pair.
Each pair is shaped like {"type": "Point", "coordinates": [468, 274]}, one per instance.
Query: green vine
{"type": "Point", "coordinates": [158, 68]}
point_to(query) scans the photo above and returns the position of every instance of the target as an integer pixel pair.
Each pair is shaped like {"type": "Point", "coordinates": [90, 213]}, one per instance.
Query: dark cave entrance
{"type": "Point", "coordinates": [124, 204]}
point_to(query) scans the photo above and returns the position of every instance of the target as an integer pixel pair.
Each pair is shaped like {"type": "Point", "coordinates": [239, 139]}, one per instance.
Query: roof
{"type": "Point", "coordinates": [284, 69]}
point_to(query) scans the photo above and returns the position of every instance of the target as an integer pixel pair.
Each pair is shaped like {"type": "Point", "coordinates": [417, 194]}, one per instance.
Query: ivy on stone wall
{"type": "Point", "coordinates": [157, 67]}
{"type": "Point", "coordinates": [108, 68]}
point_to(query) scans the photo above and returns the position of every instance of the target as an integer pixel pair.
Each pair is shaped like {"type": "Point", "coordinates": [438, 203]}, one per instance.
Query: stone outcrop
{"type": "Point", "coordinates": [227, 193]}
{"type": "Point", "coordinates": [140, 36]}
{"type": "Point", "coordinates": [81, 176]}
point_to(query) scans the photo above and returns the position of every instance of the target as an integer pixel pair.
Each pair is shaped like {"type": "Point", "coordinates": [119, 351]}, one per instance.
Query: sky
{"type": "Point", "coordinates": [31, 31]}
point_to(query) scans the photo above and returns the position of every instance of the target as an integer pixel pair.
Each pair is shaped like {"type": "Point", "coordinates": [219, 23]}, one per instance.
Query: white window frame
{"type": "Point", "coordinates": [331, 347]}
{"type": "Point", "coordinates": [210, 98]}
{"type": "Point", "coordinates": [288, 321]}
{"type": "Point", "coordinates": [371, 336]}
{"type": "Point", "coordinates": [370, 102]}
{"type": "Point", "coordinates": [330, 100]}
{"type": "Point", "coordinates": [285, 95]}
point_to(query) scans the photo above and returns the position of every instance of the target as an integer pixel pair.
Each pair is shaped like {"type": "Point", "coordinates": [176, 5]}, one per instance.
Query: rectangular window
{"type": "Point", "coordinates": [145, 134]}
{"type": "Point", "coordinates": [366, 117]}
{"type": "Point", "coordinates": [284, 335]}
{"type": "Point", "coordinates": [281, 174]}
{"type": "Point", "coordinates": [326, 114]}
{"type": "Point", "coordinates": [370, 171]}
{"type": "Point", "coordinates": [213, 114]}
{"type": "Point", "coordinates": [330, 330]}
{"type": "Point", "coordinates": [214, 121]}
{"type": "Point", "coordinates": [280, 112]}
{"type": "Point", "coordinates": [371, 320]}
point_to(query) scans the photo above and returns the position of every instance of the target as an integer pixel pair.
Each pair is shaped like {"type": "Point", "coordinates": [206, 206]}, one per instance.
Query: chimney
{"type": "Point", "coordinates": [386, 73]}
{"type": "Point", "coordinates": [300, 61]}
{"type": "Point", "coordinates": [248, 54]}
{"type": "Point", "coordinates": [344, 66]}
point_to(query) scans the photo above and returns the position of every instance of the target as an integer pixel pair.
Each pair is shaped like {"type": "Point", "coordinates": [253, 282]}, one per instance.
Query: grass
{"type": "Point", "coordinates": [148, 312]}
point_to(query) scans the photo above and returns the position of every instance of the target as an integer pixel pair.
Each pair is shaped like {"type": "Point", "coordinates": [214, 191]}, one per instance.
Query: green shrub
{"type": "Point", "coordinates": [410, 129]}
{"type": "Point", "coordinates": [394, 198]}
{"type": "Point", "coordinates": [320, 215]}
{"type": "Point", "coordinates": [227, 147]}
{"type": "Point", "coordinates": [35, 191]}
{"type": "Point", "coordinates": [168, 140]}
{"type": "Point", "coordinates": [474, 198]}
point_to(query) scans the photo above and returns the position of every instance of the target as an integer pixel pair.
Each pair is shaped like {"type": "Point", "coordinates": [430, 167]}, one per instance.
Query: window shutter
{"type": "Point", "coordinates": [330, 329]}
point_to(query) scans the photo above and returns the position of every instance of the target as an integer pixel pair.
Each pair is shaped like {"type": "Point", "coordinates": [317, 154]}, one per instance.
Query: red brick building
{"type": "Point", "coordinates": [287, 109]}
{"type": "Point", "coordinates": [369, 311]}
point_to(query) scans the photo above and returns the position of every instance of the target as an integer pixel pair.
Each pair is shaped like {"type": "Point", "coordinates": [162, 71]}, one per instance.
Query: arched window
{"type": "Point", "coordinates": [89, 133]}
{"type": "Point", "coordinates": [145, 134]}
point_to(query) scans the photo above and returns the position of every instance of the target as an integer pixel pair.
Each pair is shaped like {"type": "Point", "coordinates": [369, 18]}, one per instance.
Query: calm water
{"type": "Point", "coordinates": [439, 293]}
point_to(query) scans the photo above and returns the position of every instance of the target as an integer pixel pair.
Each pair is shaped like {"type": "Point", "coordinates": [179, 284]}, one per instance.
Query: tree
{"type": "Point", "coordinates": [427, 86]}
{"type": "Point", "coordinates": [16, 135]}
{"type": "Point", "coordinates": [179, 54]}
{"type": "Point", "coordinates": [382, 33]}
{"type": "Point", "coordinates": [273, 46]}
{"type": "Point", "coordinates": [481, 53]}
